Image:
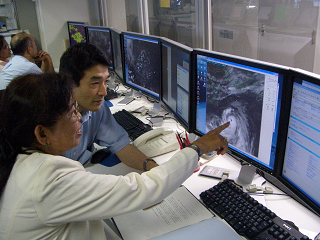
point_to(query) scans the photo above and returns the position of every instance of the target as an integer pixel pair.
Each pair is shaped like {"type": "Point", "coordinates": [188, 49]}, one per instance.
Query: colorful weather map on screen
{"type": "Point", "coordinates": [77, 33]}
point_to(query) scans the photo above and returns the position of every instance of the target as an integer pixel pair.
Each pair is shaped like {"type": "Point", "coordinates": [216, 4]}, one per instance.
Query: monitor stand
{"type": "Point", "coordinates": [129, 97]}
{"type": "Point", "coordinates": [154, 112]}
{"type": "Point", "coordinates": [246, 174]}
{"type": "Point", "coordinates": [156, 118]}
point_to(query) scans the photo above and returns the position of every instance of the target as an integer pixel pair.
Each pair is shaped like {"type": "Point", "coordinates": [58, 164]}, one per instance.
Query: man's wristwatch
{"type": "Point", "coordinates": [195, 147]}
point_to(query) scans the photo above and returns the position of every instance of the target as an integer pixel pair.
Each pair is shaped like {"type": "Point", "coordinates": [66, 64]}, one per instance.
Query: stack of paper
{"type": "Point", "coordinates": [179, 210]}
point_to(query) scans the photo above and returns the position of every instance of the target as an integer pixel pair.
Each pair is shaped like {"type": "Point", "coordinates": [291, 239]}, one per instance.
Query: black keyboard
{"type": "Point", "coordinates": [133, 125]}
{"type": "Point", "coordinates": [246, 215]}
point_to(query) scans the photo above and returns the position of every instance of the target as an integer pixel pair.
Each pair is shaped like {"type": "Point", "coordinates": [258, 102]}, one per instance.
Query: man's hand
{"type": "Point", "coordinates": [42, 56]}
{"type": "Point", "coordinates": [46, 65]}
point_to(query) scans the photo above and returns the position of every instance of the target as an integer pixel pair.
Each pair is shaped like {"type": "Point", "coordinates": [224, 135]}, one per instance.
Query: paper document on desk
{"type": "Point", "coordinates": [178, 210]}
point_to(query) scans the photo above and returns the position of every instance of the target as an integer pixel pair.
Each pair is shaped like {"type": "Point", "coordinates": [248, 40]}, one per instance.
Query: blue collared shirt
{"type": "Point", "coordinates": [101, 128]}
{"type": "Point", "coordinates": [17, 66]}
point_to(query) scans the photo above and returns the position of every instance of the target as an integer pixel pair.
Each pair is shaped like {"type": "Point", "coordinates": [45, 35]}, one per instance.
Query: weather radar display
{"type": "Point", "coordinates": [76, 33]}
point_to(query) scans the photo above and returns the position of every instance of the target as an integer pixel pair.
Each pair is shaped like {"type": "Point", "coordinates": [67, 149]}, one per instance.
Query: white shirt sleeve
{"type": "Point", "coordinates": [35, 69]}
{"type": "Point", "coordinates": [64, 192]}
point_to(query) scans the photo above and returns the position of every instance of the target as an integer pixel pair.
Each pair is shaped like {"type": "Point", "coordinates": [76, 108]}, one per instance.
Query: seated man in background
{"type": "Point", "coordinates": [88, 67]}
{"type": "Point", "coordinates": [25, 54]}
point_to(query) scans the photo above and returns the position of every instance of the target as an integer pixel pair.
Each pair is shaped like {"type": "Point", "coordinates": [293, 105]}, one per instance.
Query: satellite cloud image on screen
{"type": "Point", "coordinates": [235, 95]}
{"type": "Point", "coordinates": [102, 40]}
{"type": "Point", "coordinates": [143, 66]}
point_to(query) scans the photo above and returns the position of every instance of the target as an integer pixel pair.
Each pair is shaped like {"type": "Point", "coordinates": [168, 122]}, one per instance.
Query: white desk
{"type": "Point", "coordinates": [284, 206]}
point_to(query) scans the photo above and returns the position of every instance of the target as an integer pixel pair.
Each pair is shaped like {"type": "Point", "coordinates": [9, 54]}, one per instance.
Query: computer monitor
{"type": "Point", "coordinates": [300, 170]}
{"type": "Point", "coordinates": [101, 37]}
{"type": "Point", "coordinates": [142, 63]}
{"type": "Point", "coordinates": [117, 54]}
{"type": "Point", "coordinates": [176, 76]}
{"type": "Point", "coordinates": [77, 33]}
{"type": "Point", "coordinates": [246, 93]}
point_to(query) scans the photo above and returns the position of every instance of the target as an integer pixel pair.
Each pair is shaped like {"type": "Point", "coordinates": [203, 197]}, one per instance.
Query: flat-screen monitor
{"type": "Point", "coordinates": [117, 54]}
{"type": "Point", "coordinates": [176, 76]}
{"type": "Point", "coordinates": [101, 37]}
{"type": "Point", "coordinates": [301, 162]}
{"type": "Point", "coordinates": [246, 93]}
{"type": "Point", "coordinates": [77, 33]}
{"type": "Point", "coordinates": [142, 63]}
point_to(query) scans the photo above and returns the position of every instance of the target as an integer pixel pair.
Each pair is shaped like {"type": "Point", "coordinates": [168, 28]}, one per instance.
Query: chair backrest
{"type": "Point", "coordinates": [1, 93]}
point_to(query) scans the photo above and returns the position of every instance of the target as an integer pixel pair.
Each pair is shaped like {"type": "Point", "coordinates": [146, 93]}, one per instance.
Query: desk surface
{"type": "Point", "coordinates": [284, 206]}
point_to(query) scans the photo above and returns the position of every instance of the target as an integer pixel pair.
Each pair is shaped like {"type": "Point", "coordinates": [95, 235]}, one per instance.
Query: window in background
{"type": "Point", "coordinates": [173, 19]}
{"type": "Point", "coordinates": [275, 31]}
{"type": "Point", "coordinates": [282, 33]}
{"type": "Point", "coordinates": [132, 12]}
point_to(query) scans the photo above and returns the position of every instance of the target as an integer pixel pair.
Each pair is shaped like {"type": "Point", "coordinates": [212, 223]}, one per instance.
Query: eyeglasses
{"type": "Point", "coordinates": [5, 47]}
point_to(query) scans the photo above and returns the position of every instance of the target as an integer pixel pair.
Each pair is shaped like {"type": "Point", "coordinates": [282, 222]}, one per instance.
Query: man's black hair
{"type": "Point", "coordinates": [79, 58]}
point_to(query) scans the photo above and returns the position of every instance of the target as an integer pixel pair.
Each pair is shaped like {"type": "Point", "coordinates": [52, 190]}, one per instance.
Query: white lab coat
{"type": "Point", "coordinates": [52, 197]}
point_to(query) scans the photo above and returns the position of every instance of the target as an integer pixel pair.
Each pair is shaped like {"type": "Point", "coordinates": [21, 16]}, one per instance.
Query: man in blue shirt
{"type": "Point", "coordinates": [25, 54]}
{"type": "Point", "coordinates": [89, 68]}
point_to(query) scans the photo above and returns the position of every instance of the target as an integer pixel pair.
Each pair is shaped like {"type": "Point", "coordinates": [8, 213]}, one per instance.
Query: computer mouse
{"type": "Point", "coordinates": [100, 155]}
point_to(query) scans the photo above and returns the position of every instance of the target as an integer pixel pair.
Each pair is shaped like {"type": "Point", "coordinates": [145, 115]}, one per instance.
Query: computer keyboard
{"type": "Point", "coordinates": [246, 215]}
{"type": "Point", "coordinates": [133, 125]}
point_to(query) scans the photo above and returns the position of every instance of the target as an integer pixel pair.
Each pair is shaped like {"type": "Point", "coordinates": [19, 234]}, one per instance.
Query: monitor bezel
{"type": "Point", "coordinates": [156, 38]}
{"type": "Point", "coordinates": [255, 64]}
{"type": "Point", "coordinates": [116, 31]}
{"type": "Point", "coordinates": [289, 187]}
{"type": "Point", "coordinates": [111, 66]}
{"type": "Point", "coordinates": [188, 126]}
{"type": "Point", "coordinates": [80, 23]}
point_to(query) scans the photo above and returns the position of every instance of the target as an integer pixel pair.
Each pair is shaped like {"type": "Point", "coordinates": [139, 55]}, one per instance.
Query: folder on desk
{"type": "Point", "coordinates": [177, 215]}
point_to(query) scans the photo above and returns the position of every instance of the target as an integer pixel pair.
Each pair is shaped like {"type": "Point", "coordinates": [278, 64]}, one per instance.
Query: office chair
{"type": "Point", "coordinates": [1, 93]}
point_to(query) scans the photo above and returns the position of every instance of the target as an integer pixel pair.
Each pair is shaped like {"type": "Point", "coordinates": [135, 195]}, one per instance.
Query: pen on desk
{"type": "Point", "coordinates": [185, 142]}
{"type": "Point", "coordinates": [187, 138]}
{"type": "Point", "coordinates": [182, 143]}
{"type": "Point", "coordinates": [179, 141]}
{"type": "Point", "coordinates": [152, 205]}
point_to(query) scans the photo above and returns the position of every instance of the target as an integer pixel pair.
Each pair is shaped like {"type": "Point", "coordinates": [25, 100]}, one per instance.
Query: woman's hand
{"type": "Point", "coordinates": [213, 141]}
